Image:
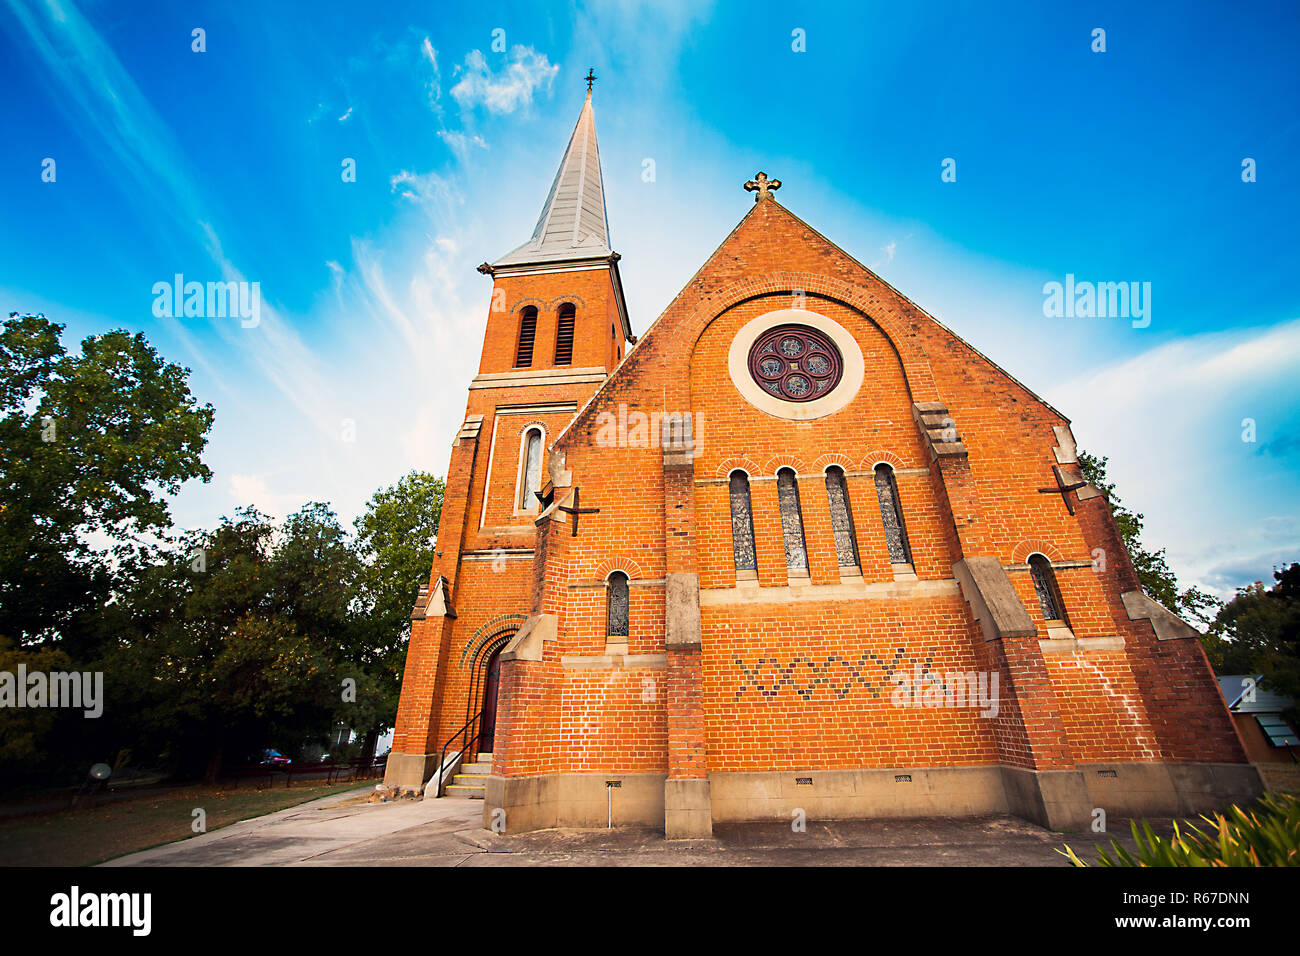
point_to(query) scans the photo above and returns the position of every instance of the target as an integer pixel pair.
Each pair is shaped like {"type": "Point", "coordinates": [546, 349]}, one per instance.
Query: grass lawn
{"type": "Point", "coordinates": [85, 837]}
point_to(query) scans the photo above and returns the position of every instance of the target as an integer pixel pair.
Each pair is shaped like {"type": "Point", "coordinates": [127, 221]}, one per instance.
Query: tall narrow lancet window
{"type": "Point", "coordinates": [742, 523]}
{"type": "Point", "coordinates": [564, 335]}
{"type": "Point", "coordinates": [531, 469]}
{"type": "Point", "coordinates": [891, 514]}
{"type": "Point", "coordinates": [1049, 596]}
{"type": "Point", "coordinates": [837, 495]}
{"type": "Point", "coordinates": [527, 333]}
{"type": "Point", "coordinates": [787, 497]}
{"type": "Point", "coordinates": [616, 607]}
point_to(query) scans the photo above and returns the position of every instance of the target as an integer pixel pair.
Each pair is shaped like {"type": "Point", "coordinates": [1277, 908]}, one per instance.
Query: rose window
{"type": "Point", "coordinates": [795, 363]}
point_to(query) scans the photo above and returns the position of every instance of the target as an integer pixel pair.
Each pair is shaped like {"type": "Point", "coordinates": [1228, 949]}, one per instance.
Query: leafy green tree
{"type": "Point", "coordinates": [1258, 632]}
{"type": "Point", "coordinates": [234, 640]}
{"type": "Point", "coordinates": [1152, 567]}
{"type": "Point", "coordinates": [396, 534]}
{"type": "Point", "coordinates": [23, 731]}
{"type": "Point", "coordinates": [89, 443]}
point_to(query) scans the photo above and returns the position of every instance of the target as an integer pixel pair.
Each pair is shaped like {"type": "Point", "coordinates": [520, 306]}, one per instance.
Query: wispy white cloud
{"type": "Point", "coordinates": [652, 32]}
{"type": "Point", "coordinates": [507, 89]}
{"type": "Point", "coordinates": [277, 351]}
{"type": "Point", "coordinates": [1224, 577]}
{"type": "Point", "coordinates": [103, 100]}
{"type": "Point", "coordinates": [890, 249]}
{"type": "Point", "coordinates": [1168, 416]}
{"type": "Point", "coordinates": [462, 144]}
{"type": "Point", "coordinates": [421, 188]}
{"type": "Point", "coordinates": [100, 98]}
{"type": "Point", "coordinates": [433, 85]}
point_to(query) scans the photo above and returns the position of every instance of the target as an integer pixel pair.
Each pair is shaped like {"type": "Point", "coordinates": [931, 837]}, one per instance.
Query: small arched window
{"type": "Point", "coordinates": [837, 495]}
{"type": "Point", "coordinates": [616, 606]}
{"type": "Point", "coordinates": [742, 523]}
{"type": "Point", "coordinates": [530, 469]}
{"type": "Point", "coordinates": [527, 333]}
{"type": "Point", "coordinates": [891, 515]}
{"type": "Point", "coordinates": [1049, 596]}
{"type": "Point", "coordinates": [564, 334]}
{"type": "Point", "coordinates": [787, 497]}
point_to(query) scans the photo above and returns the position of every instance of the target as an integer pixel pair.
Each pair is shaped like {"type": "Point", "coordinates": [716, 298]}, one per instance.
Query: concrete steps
{"type": "Point", "coordinates": [471, 782]}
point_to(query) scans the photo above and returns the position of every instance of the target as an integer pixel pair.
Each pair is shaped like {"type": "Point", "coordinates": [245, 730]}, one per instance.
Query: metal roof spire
{"type": "Point", "coordinates": [573, 223]}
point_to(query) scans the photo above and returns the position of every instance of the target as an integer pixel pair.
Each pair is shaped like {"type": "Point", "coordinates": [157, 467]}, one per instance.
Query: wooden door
{"type": "Point", "coordinates": [488, 723]}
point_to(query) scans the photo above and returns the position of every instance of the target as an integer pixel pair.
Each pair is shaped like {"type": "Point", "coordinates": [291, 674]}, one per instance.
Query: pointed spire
{"type": "Point", "coordinates": [573, 224]}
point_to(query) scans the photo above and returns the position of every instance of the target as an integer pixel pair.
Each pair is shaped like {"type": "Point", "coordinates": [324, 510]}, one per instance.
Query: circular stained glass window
{"type": "Point", "coordinates": [795, 363]}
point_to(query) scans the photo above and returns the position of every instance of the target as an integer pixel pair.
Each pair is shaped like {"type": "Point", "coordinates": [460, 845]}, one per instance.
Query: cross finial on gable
{"type": "Point", "coordinates": [762, 186]}
{"type": "Point", "coordinates": [590, 78]}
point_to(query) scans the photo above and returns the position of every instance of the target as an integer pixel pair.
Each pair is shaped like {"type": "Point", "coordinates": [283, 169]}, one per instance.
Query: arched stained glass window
{"type": "Point", "coordinates": [787, 497]}
{"type": "Point", "coordinates": [616, 605]}
{"type": "Point", "coordinates": [837, 495]}
{"type": "Point", "coordinates": [891, 515]}
{"type": "Point", "coordinates": [742, 523]}
{"type": "Point", "coordinates": [1049, 597]}
{"type": "Point", "coordinates": [532, 469]}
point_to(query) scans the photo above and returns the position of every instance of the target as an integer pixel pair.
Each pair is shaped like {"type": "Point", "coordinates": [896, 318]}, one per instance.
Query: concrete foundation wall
{"type": "Point", "coordinates": [856, 794]}
{"type": "Point", "coordinates": [573, 800]}
{"type": "Point", "coordinates": [1213, 786]}
{"type": "Point", "coordinates": [411, 771]}
{"type": "Point", "coordinates": [1056, 799]}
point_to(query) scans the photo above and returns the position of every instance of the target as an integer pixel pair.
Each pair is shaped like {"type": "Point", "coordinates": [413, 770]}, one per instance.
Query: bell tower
{"type": "Point", "coordinates": [532, 323]}
{"type": "Point", "coordinates": [557, 326]}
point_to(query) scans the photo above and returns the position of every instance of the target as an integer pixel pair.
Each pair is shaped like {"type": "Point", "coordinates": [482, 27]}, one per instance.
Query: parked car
{"type": "Point", "coordinates": [275, 759]}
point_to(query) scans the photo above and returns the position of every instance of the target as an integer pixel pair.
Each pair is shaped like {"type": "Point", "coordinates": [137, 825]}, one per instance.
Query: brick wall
{"type": "Point", "coordinates": [788, 681]}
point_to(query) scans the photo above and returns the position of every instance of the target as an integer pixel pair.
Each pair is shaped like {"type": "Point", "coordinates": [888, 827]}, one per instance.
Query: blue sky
{"type": "Point", "coordinates": [1115, 166]}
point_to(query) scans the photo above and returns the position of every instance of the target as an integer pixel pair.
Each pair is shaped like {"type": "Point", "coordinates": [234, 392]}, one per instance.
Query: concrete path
{"type": "Point", "coordinates": [298, 835]}
{"type": "Point", "coordinates": [334, 832]}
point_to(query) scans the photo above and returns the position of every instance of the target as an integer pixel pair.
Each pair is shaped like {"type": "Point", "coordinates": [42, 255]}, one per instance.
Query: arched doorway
{"type": "Point", "coordinates": [488, 722]}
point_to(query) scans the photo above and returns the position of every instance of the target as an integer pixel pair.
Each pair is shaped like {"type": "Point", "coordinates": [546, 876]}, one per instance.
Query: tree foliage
{"type": "Point", "coordinates": [213, 643]}
{"type": "Point", "coordinates": [396, 535]}
{"type": "Point", "coordinates": [89, 445]}
{"type": "Point", "coordinates": [397, 532]}
{"type": "Point", "coordinates": [1258, 632]}
{"type": "Point", "coordinates": [238, 639]}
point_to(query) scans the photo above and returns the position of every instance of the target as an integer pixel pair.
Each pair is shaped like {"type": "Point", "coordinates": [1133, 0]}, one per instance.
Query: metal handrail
{"type": "Point", "coordinates": [442, 757]}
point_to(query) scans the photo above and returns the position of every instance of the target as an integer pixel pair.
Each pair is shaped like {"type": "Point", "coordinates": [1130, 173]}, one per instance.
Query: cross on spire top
{"type": "Point", "coordinates": [590, 78]}
{"type": "Point", "coordinates": [762, 187]}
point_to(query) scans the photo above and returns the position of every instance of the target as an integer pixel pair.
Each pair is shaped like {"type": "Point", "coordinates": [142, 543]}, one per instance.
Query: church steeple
{"type": "Point", "coordinates": [573, 223]}
{"type": "Point", "coordinates": [558, 299]}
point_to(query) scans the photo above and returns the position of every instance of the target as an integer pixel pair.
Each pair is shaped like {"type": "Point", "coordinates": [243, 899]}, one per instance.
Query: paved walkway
{"type": "Point", "coordinates": [337, 831]}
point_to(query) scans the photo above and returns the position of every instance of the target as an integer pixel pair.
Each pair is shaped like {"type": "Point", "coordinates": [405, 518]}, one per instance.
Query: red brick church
{"type": "Point", "coordinates": [799, 549]}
